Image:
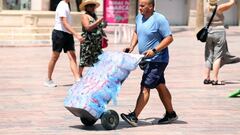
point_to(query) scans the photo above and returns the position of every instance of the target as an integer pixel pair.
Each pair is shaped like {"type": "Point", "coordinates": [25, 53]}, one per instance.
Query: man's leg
{"type": "Point", "coordinates": [73, 64]}
{"type": "Point", "coordinates": [142, 100]}
{"type": "Point", "coordinates": [165, 97]}
{"type": "Point", "coordinates": [52, 63]}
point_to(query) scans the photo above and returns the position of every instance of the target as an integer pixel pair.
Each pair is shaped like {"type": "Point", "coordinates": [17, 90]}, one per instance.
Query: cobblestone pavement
{"type": "Point", "coordinates": [29, 108]}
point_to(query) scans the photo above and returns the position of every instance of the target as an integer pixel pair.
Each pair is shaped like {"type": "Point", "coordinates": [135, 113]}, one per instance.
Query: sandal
{"type": "Point", "coordinates": [207, 81]}
{"type": "Point", "coordinates": [217, 83]}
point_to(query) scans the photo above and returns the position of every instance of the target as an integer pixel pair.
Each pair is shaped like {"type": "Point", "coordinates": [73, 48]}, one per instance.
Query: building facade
{"type": "Point", "coordinates": [183, 12]}
{"type": "Point", "coordinates": [179, 12]}
{"type": "Point", "coordinates": [25, 22]}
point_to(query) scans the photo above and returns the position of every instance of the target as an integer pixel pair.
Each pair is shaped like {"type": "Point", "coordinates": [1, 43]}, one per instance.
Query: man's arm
{"type": "Point", "coordinates": [162, 45]}
{"type": "Point", "coordinates": [69, 28]}
{"type": "Point", "coordinates": [133, 44]}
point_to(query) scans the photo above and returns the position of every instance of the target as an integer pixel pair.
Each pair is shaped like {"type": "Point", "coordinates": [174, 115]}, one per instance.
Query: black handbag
{"type": "Point", "coordinates": [203, 33]}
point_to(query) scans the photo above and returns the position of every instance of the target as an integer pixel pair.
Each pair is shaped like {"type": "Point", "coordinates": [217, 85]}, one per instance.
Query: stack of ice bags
{"type": "Point", "coordinates": [101, 83]}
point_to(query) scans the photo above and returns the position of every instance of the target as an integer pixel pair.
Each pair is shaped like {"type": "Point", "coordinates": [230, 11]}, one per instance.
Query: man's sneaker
{"type": "Point", "coordinates": [78, 80]}
{"type": "Point", "coordinates": [50, 83]}
{"type": "Point", "coordinates": [130, 118]}
{"type": "Point", "coordinates": [168, 118]}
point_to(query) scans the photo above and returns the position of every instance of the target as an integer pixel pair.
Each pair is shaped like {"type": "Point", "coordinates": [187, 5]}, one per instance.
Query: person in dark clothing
{"type": "Point", "coordinates": [53, 4]}
{"type": "Point", "coordinates": [78, 2]}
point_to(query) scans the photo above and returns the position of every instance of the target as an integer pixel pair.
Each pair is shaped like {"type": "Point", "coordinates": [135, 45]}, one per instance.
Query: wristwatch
{"type": "Point", "coordinates": [154, 50]}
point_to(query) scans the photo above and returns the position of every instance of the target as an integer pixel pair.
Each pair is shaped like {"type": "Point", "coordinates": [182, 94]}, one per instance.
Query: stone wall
{"type": "Point", "coordinates": [10, 18]}
{"type": "Point", "coordinates": [30, 27]}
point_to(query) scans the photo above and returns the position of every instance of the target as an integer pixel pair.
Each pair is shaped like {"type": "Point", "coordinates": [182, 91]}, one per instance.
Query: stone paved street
{"type": "Point", "coordinates": [29, 108]}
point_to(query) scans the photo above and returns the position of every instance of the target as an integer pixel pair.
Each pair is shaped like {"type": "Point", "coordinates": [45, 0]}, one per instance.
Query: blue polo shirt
{"type": "Point", "coordinates": [151, 32]}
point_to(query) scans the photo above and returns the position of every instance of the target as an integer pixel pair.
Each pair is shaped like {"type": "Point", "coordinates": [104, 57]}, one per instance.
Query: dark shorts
{"type": "Point", "coordinates": [153, 74]}
{"type": "Point", "coordinates": [62, 40]}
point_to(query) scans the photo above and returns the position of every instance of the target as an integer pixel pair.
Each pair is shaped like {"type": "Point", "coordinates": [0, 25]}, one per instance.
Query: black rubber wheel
{"type": "Point", "coordinates": [110, 120]}
{"type": "Point", "coordinates": [88, 122]}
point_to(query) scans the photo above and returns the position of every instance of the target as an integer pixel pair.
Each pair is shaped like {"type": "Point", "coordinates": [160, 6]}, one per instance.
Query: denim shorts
{"type": "Point", "coordinates": [62, 41]}
{"type": "Point", "coordinates": [153, 74]}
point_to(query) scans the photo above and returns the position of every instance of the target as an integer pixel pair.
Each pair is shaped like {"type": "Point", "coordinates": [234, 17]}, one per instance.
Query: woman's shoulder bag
{"type": "Point", "coordinates": [203, 33]}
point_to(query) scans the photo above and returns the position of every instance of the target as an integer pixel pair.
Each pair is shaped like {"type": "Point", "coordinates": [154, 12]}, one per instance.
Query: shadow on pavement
{"type": "Point", "coordinates": [231, 81]}
{"type": "Point", "coordinates": [123, 124]}
{"type": "Point", "coordinates": [98, 127]}
{"type": "Point", "coordinates": [66, 85]}
{"type": "Point", "coordinates": [95, 127]}
{"type": "Point", "coordinates": [154, 121]}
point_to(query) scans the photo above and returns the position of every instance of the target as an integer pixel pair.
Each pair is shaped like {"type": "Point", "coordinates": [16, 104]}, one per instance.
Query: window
{"type": "Point", "coordinates": [16, 4]}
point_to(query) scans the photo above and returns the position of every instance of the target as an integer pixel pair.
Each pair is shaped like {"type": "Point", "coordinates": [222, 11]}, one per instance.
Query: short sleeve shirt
{"type": "Point", "coordinates": [62, 10]}
{"type": "Point", "coordinates": [151, 32]}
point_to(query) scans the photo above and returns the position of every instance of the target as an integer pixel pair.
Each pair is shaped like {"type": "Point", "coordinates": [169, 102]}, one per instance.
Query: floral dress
{"type": "Point", "coordinates": [91, 48]}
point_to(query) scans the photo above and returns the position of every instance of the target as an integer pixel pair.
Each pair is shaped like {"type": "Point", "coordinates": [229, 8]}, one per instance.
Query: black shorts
{"type": "Point", "coordinates": [153, 74]}
{"type": "Point", "coordinates": [62, 40]}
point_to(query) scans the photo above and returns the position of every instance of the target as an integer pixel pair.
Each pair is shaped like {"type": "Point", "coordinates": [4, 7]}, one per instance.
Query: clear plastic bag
{"type": "Point", "coordinates": [102, 82]}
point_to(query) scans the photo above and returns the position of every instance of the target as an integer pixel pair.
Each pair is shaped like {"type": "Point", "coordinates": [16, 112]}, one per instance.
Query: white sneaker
{"type": "Point", "coordinates": [50, 83]}
{"type": "Point", "coordinates": [78, 80]}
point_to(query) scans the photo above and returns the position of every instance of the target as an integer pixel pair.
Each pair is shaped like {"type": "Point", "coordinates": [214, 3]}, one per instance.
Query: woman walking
{"type": "Point", "coordinates": [92, 28]}
{"type": "Point", "coordinates": [216, 49]}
